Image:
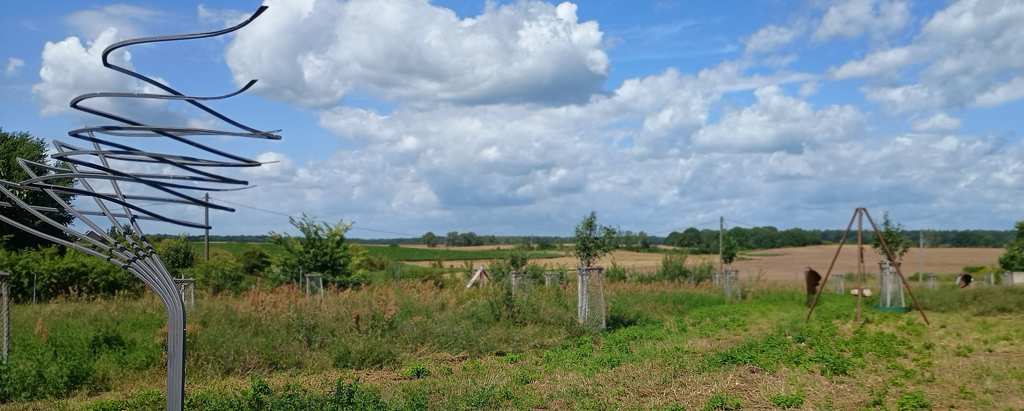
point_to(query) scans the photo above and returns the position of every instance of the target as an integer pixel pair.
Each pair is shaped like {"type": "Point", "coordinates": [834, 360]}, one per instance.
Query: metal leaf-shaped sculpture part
{"type": "Point", "coordinates": [95, 168]}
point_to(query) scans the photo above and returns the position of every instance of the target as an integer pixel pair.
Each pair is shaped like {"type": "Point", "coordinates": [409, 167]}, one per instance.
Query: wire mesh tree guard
{"type": "Point", "coordinates": [931, 281]}
{"type": "Point", "coordinates": [837, 285]}
{"type": "Point", "coordinates": [519, 281]}
{"type": "Point", "coordinates": [550, 278]}
{"type": "Point", "coordinates": [590, 303]}
{"type": "Point", "coordinates": [187, 289]}
{"type": "Point", "coordinates": [858, 215]}
{"type": "Point", "coordinates": [730, 280]}
{"type": "Point", "coordinates": [890, 289]}
{"type": "Point", "coordinates": [5, 314]}
{"type": "Point", "coordinates": [990, 278]}
{"type": "Point", "coordinates": [315, 285]}
{"type": "Point", "coordinates": [116, 190]}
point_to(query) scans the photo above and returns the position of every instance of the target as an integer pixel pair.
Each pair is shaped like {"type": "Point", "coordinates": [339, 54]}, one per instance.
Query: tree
{"type": "Point", "coordinates": [451, 239]}
{"type": "Point", "coordinates": [1013, 258]}
{"type": "Point", "coordinates": [430, 239]}
{"type": "Point", "coordinates": [321, 249]}
{"type": "Point", "coordinates": [593, 241]}
{"type": "Point", "coordinates": [892, 232]}
{"type": "Point", "coordinates": [518, 257]}
{"type": "Point", "coordinates": [177, 253]}
{"type": "Point", "coordinates": [16, 145]}
{"type": "Point", "coordinates": [690, 238]}
{"type": "Point", "coordinates": [254, 260]}
{"type": "Point", "coordinates": [729, 249]}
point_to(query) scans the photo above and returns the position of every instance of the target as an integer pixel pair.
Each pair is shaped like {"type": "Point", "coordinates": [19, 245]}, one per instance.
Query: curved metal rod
{"type": "Point", "coordinates": [80, 165]}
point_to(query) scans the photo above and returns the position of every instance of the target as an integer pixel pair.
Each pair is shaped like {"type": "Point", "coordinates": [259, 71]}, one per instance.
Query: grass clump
{"type": "Point", "coordinates": [722, 401]}
{"type": "Point", "coordinates": [912, 401]}
{"type": "Point", "coordinates": [785, 401]}
{"type": "Point", "coordinates": [415, 371]}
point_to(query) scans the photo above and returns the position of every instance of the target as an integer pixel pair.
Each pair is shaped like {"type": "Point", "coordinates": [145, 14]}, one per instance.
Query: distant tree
{"type": "Point", "coordinates": [894, 237]}
{"type": "Point", "coordinates": [254, 260]}
{"type": "Point", "coordinates": [1013, 258]}
{"type": "Point", "coordinates": [452, 239]}
{"type": "Point", "coordinates": [177, 253]}
{"type": "Point", "coordinates": [321, 249]}
{"type": "Point", "coordinates": [468, 239]}
{"type": "Point", "coordinates": [14, 145]}
{"type": "Point", "coordinates": [932, 238]}
{"type": "Point", "coordinates": [642, 241]}
{"type": "Point", "coordinates": [429, 239]}
{"type": "Point", "coordinates": [690, 238]}
{"type": "Point", "coordinates": [593, 241]}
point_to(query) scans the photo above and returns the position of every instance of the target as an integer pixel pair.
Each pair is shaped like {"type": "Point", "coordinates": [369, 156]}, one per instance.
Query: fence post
{"type": "Point", "coordinates": [5, 313]}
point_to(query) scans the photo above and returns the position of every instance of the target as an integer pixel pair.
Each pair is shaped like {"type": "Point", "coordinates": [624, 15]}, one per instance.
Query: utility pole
{"type": "Point", "coordinates": [207, 223]}
{"type": "Point", "coordinates": [920, 258]}
{"type": "Point", "coordinates": [721, 223]}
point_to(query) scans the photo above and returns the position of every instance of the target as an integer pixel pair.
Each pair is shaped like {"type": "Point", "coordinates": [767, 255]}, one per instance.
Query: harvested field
{"type": "Point", "coordinates": [783, 263]}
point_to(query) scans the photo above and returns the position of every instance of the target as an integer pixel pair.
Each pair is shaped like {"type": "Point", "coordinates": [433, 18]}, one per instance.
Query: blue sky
{"type": "Point", "coordinates": [515, 118]}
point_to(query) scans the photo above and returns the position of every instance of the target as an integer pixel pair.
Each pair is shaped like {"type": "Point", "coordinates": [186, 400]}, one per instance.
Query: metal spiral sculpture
{"type": "Point", "coordinates": [91, 165]}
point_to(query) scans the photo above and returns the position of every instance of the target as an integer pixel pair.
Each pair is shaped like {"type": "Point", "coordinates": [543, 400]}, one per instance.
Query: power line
{"type": "Point", "coordinates": [291, 216]}
{"type": "Point", "coordinates": [737, 222]}
{"type": "Point", "coordinates": [696, 225]}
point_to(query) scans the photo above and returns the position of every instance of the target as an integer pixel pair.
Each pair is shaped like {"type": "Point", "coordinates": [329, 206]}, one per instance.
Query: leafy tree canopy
{"type": "Point", "coordinates": [1013, 258]}
{"type": "Point", "coordinates": [15, 145]}
{"type": "Point", "coordinates": [593, 241]}
{"type": "Point", "coordinates": [894, 237]}
{"type": "Point", "coordinates": [321, 249]}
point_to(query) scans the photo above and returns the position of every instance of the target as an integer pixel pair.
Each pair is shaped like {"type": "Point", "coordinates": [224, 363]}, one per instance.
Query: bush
{"type": "Point", "coordinates": [219, 275]}
{"type": "Point", "coordinates": [64, 272]}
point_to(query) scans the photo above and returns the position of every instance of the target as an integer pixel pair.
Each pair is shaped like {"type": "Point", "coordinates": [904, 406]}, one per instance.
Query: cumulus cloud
{"type": "Point", "coordinates": [779, 122]}
{"type": "Point", "coordinates": [770, 38]}
{"type": "Point", "coordinates": [852, 18]}
{"type": "Point", "coordinates": [938, 122]}
{"type": "Point", "coordinates": [70, 69]}
{"type": "Point", "coordinates": [971, 48]}
{"type": "Point", "coordinates": [313, 52]}
{"type": "Point", "coordinates": [13, 66]}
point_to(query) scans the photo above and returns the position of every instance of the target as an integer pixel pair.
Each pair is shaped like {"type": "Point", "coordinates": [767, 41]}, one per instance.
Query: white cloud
{"type": "Point", "coordinates": [70, 69]}
{"type": "Point", "coordinates": [276, 167]}
{"type": "Point", "coordinates": [809, 88]}
{"type": "Point", "coordinates": [123, 17]}
{"type": "Point", "coordinates": [880, 62]}
{"type": "Point", "coordinates": [770, 38]}
{"type": "Point", "coordinates": [314, 52]}
{"type": "Point", "coordinates": [1001, 93]}
{"type": "Point", "coordinates": [938, 122]}
{"type": "Point", "coordinates": [852, 18]}
{"type": "Point", "coordinates": [779, 122]}
{"type": "Point", "coordinates": [13, 66]}
{"type": "Point", "coordinates": [970, 48]}
{"type": "Point", "coordinates": [224, 17]}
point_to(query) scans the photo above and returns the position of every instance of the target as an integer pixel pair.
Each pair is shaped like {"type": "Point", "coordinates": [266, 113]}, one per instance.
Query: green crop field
{"type": "Point", "coordinates": [394, 253]}
{"type": "Point", "coordinates": [422, 346]}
